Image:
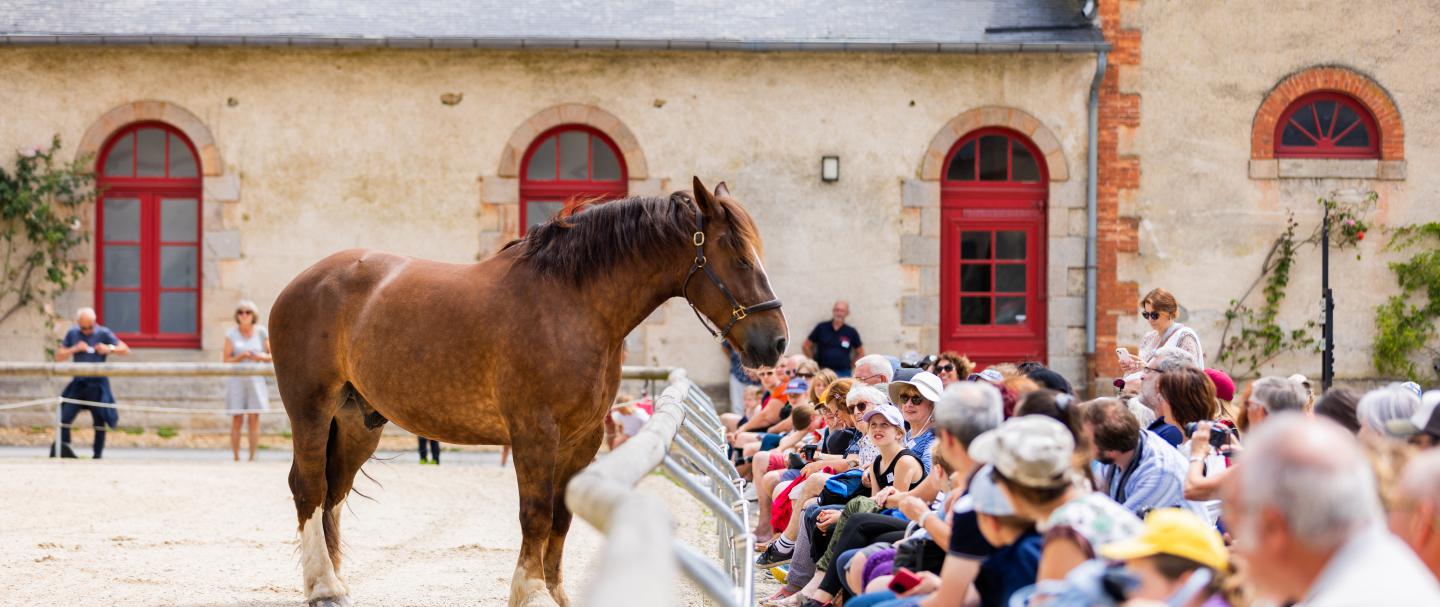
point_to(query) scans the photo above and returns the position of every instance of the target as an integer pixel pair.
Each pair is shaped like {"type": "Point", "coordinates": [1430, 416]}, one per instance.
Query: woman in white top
{"type": "Point", "coordinates": [247, 396]}
{"type": "Point", "coordinates": [1160, 309]}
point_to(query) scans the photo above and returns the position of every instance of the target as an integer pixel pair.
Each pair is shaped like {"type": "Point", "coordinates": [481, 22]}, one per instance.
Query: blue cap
{"type": "Point", "coordinates": [986, 495]}
{"type": "Point", "coordinates": [797, 386]}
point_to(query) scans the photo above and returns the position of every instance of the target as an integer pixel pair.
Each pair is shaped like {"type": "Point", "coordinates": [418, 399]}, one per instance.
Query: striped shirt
{"type": "Point", "coordinates": [1155, 478]}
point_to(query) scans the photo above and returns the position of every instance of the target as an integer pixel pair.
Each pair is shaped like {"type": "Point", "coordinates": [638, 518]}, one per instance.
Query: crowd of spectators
{"type": "Point", "coordinates": [938, 482]}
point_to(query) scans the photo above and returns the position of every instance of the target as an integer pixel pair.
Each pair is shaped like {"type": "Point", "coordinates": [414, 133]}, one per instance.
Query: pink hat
{"type": "Point", "coordinates": [1224, 386]}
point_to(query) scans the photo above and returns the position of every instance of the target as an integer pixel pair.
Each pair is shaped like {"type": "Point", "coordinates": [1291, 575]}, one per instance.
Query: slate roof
{"type": "Point", "coordinates": [761, 25]}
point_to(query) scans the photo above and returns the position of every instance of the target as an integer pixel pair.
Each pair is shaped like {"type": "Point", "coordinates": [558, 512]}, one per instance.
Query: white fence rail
{"type": "Point", "coordinates": [686, 439]}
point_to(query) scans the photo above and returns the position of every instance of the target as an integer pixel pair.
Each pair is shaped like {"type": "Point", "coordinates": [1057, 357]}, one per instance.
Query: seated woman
{"type": "Point", "coordinates": [896, 466]}
{"type": "Point", "coordinates": [837, 438]}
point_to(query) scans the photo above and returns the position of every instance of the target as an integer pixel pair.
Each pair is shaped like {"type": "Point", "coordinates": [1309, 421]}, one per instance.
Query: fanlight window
{"type": "Point", "coordinates": [565, 165]}
{"type": "Point", "coordinates": [1327, 125]}
{"type": "Point", "coordinates": [994, 157]}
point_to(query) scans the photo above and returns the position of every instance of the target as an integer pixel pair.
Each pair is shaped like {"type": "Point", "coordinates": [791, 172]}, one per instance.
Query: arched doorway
{"type": "Point", "coordinates": [992, 244]}
{"type": "Point", "coordinates": [147, 237]}
{"type": "Point", "coordinates": [564, 164]}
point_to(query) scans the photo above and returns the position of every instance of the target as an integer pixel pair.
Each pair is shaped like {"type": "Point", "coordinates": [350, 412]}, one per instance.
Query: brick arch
{"type": "Point", "coordinates": [994, 116]}
{"type": "Point", "coordinates": [163, 111]}
{"type": "Point", "coordinates": [574, 113]}
{"type": "Point", "coordinates": [1328, 78]}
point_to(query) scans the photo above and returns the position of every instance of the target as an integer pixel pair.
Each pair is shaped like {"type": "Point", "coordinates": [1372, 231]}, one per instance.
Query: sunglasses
{"type": "Point", "coordinates": [944, 368]}
{"type": "Point", "coordinates": [765, 373]}
{"type": "Point", "coordinates": [245, 312]}
{"type": "Point", "coordinates": [805, 375]}
{"type": "Point", "coordinates": [790, 372]}
{"type": "Point", "coordinates": [1150, 315]}
{"type": "Point", "coordinates": [913, 398]}
{"type": "Point", "coordinates": [859, 407]}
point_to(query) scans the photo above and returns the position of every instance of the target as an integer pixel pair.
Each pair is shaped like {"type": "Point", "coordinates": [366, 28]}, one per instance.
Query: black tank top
{"type": "Point", "coordinates": [887, 478]}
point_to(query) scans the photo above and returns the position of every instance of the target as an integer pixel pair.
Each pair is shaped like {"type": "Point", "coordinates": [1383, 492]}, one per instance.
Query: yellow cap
{"type": "Point", "coordinates": [1175, 532]}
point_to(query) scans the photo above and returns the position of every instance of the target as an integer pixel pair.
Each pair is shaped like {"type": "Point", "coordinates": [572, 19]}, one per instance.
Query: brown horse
{"type": "Point", "coordinates": [521, 349]}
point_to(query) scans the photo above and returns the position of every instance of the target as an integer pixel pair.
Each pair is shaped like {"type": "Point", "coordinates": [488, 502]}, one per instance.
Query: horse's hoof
{"type": "Point", "coordinates": [336, 601]}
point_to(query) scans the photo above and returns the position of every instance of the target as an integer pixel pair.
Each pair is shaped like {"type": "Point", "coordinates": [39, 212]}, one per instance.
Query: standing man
{"type": "Point", "coordinates": [835, 345]}
{"type": "Point", "coordinates": [88, 342]}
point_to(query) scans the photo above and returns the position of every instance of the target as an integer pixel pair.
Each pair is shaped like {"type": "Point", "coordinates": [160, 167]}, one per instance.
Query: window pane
{"type": "Point", "coordinates": [1294, 136]}
{"type": "Point", "coordinates": [962, 165]}
{"type": "Point", "coordinates": [975, 278]}
{"type": "Point", "coordinates": [994, 157]}
{"type": "Point", "coordinates": [179, 219]}
{"type": "Point", "coordinates": [974, 245]}
{"type": "Point", "coordinates": [182, 162]}
{"type": "Point", "coordinates": [178, 268]}
{"type": "Point", "coordinates": [1025, 168]}
{"type": "Point", "coordinates": [1010, 244]}
{"type": "Point", "coordinates": [122, 266]}
{"type": "Point", "coordinates": [1009, 310]}
{"type": "Point", "coordinates": [1357, 138]}
{"type": "Point", "coordinates": [974, 310]}
{"type": "Point", "coordinates": [122, 219]}
{"type": "Point", "coordinates": [574, 161]}
{"type": "Point", "coordinates": [177, 312]}
{"type": "Point", "coordinates": [542, 162]}
{"type": "Point", "coordinates": [122, 311]}
{"type": "Point", "coordinates": [540, 211]}
{"type": "Point", "coordinates": [151, 151]}
{"type": "Point", "coordinates": [1325, 110]}
{"type": "Point", "coordinates": [122, 157]}
{"type": "Point", "coordinates": [1010, 277]}
{"type": "Point", "coordinates": [606, 167]}
{"type": "Point", "coordinates": [1343, 121]}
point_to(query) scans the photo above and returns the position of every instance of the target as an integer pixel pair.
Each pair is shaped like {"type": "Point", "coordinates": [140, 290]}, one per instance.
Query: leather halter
{"type": "Point", "coordinates": [737, 311]}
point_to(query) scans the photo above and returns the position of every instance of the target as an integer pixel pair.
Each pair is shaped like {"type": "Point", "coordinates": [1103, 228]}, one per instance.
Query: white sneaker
{"type": "Point", "coordinates": [750, 492]}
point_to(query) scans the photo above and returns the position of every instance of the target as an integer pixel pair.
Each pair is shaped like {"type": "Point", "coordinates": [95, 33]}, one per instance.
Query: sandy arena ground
{"type": "Point", "coordinates": [117, 532]}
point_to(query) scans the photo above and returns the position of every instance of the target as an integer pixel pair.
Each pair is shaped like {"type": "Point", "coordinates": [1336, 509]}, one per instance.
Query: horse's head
{"type": "Point", "coordinates": [727, 282]}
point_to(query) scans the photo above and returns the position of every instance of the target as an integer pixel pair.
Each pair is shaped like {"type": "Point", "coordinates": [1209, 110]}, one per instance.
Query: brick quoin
{"type": "Point", "coordinates": [1331, 79]}
{"type": "Point", "coordinates": [1117, 175]}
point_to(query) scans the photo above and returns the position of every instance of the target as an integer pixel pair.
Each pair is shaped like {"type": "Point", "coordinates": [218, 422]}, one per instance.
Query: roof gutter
{"type": "Point", "coordinates": [509, 43]}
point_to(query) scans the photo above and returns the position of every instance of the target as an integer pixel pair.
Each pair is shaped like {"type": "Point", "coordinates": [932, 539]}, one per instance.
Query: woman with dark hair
{"type": "Point", "coordinates": [952, 366]}
{"type": "Point", "coordinates": [1187, 396]}
{"type": "Point", "coordinates": [1339, 404]}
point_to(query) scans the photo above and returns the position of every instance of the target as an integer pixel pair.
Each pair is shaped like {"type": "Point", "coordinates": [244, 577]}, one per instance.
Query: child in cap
{"type": "Point", "coordinates": [1179, 559]}
{"type": "Point", "coordinates": [1016, 559]}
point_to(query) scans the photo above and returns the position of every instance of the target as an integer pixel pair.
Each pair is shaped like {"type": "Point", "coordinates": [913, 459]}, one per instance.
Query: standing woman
{"type": "Point", "coordinates": [1160, 309]}
{"type": "Point", "coordinates": [247, 396]}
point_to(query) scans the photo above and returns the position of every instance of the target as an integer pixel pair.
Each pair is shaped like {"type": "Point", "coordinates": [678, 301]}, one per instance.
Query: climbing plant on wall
{"type": "Point", "coordinates": [1406, 322]}
{"type": "Point", "coordinates": [40, 203]}
{"type": "Point", "coordinates": [1253, 334]}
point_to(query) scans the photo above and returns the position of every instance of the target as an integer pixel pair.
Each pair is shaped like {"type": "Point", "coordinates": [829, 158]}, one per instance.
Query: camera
{"type": "Point", "coordinates": [809, 451]}
{"type": "Point", "coordinates": [1219, 434]}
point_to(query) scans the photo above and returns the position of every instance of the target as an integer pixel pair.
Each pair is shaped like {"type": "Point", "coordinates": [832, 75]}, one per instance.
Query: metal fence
{"type": "Point", "coordinates": [685, 438]}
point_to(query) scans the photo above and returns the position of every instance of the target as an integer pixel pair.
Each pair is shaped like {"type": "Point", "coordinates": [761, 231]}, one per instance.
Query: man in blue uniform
{"type": "Point", "coordinates": [833, 344]}
{"type": "Point", "coordinates": [88, 342]}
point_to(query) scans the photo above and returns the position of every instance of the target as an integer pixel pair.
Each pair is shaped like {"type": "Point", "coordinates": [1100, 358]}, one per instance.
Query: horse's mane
{"type": "Point", "coordinates": [580, 246]}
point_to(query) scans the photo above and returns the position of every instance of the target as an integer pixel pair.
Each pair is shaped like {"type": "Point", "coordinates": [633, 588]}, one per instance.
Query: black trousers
{"type": "Point", "coordinates": [69, 412]}
{"type": "Point", "coordinates": [863, 529]}
{"type": "Point", "coordinates": [434, 449]}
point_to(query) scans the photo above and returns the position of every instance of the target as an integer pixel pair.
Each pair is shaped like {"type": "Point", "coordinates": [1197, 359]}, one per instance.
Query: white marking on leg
{"type": "Point", "coordinates": [320, 579]}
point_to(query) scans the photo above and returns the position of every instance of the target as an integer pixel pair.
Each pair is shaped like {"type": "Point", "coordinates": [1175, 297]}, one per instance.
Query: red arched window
{"type": "Point", "coordinates": [1327, 125]}
{"type": "Point", "coordinates": [566, 164]}
{"type": "Point", "coordinates": [147, 279]}
{"type": "Point", "coordinates": [992, 243]}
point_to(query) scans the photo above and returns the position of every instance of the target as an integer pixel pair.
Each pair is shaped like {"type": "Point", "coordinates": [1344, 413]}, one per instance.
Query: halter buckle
{"type": "Point", "coordinates": [738, 313]}
{"type": "Point", "coordinates": [699, 239]}
{"type": "Point", "coordinates": [700, 261]}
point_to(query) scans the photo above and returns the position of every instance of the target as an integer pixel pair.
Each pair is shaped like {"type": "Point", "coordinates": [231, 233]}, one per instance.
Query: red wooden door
{"type": "Point", "coordinates": [992, 247]}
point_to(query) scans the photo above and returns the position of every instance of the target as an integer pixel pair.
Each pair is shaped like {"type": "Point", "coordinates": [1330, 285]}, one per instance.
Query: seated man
{"type": "Point", "coordinates": [1135, 467]}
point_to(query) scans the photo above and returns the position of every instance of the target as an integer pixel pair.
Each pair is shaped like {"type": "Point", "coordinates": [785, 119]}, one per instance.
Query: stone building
{"type": "Point", "coordinates": [238, 147]}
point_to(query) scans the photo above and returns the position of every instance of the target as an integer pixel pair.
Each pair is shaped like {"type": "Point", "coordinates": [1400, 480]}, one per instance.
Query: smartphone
{"type": "Point", "coordinates": [903, 581]}
{"type": "Point", "coordinates": [1122, 353]}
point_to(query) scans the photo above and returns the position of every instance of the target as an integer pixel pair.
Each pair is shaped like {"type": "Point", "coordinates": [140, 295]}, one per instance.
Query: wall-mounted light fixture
{"type": "Point", "coordinates": [829, 168]}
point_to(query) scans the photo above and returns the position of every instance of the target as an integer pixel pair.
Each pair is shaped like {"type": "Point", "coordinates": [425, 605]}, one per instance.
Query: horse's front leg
{"type": "Point", "coordinates": [572, 458]}
{"type": "Point", "coordinates": [535, 464]}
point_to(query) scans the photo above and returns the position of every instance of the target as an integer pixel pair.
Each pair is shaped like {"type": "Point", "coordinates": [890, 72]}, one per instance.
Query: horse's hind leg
{"type": "Point", "coordinates": [351, 444]}
{"type": "Point", "coordinates": [311, 415]}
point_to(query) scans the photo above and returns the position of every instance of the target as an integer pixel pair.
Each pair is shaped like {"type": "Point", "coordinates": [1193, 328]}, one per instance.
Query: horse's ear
{"type": "Point", "coordinates": [721, 190]}
{"type": "Point", "coordinates": [707, 203]}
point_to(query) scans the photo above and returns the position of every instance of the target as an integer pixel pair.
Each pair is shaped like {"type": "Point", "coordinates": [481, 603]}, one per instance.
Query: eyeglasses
{"type": "Point", "coordinates": [805, 375]}
{"type": "Point", "coordinates": [1150, 315]}
{"type": "Point", "coordinates": [866, 379]}
{"type": "Point", "coordinates": [826, 412]}
{"type": "Point", "coordinates": [246, 312]}
{"type": "Point", "coordinates": [1153, 370]}
{"type": "Point", "coordinates": [790, 372]}
{"type": "Point", "coordinates": [859, 407]}
{"type": "Point", "coordinates": [765, 373]}
{"type": "Point", "coordinates": [944, 368]}
{"type": "Point", "coordinates": [913, 398]}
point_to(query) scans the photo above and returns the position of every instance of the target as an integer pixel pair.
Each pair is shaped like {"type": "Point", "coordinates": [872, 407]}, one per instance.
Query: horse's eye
{"type": "Point", "coordinates": [744, 265]}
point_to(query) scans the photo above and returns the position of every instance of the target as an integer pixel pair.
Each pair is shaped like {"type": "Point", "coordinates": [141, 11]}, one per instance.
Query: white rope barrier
{"type": "Point", "coordinates": [124, 407]}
